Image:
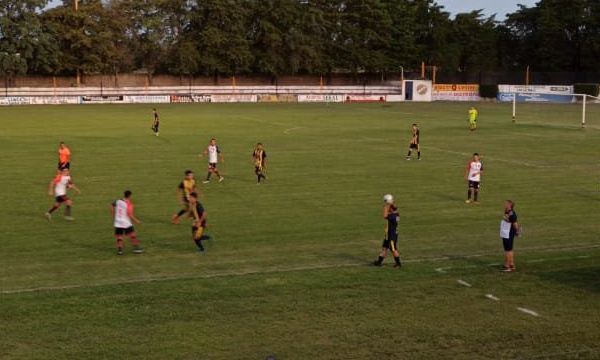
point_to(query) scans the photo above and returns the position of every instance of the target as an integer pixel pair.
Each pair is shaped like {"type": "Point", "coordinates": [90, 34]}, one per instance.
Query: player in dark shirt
{"type": "Point", "coordinates": [198, 215]}
{"type": "Point", "coordinates": [509, 229]}
{"type": "Point", "coordinates": [390, 241]}
{"type": "Point", "coordinates": [259, 155]}
{"type": "Point", "coordinates": [414, 142]}
{"type": "Point", "coordinates": [155, 122]}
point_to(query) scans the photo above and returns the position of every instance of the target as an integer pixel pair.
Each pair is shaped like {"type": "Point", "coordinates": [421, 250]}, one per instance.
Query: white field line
{"type": "Point", "coordinates": [514, 162]}
{"type": "Point", "coordinates": [492, 297]}
{"type": "Point", "coordinates": [464, 283]}
{"type": "Point", "coordinates": [287, 131]}
{"type": "Point", "coordinates": [261, 121]}
{"type": "Point", "coordinates": [440, 270]}
{"type": "Point", "coordinates": [272, 271]}
{"type": "Point", "coordinates": [527, 311]}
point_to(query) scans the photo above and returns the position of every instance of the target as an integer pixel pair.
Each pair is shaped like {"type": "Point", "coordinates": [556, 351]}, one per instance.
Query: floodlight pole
{"type": "Point", "coordinates": [76, 5]}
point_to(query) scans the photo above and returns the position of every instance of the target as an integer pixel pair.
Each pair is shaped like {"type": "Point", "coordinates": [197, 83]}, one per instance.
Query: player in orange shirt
{"type": "Point", "coordinates": [64, 157]}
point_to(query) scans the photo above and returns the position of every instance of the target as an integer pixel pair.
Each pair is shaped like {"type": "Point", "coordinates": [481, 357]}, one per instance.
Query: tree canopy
{"type": "Point", "coordinates": [281, 37]}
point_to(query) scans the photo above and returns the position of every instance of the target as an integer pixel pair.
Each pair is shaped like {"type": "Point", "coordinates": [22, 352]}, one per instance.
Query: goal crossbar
{"type": "Point", "coordinates": [584, 98]}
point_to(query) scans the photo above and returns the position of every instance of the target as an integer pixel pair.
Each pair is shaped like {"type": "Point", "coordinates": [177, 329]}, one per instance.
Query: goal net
{"type": "Point", "coordinates": [572, 110]}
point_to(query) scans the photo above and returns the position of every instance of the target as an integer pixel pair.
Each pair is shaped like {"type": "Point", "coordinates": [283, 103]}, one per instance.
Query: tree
{"type": "Point", "coordinates": [221, 30]}
{"type": "Point", "coordinates": [476, 38]}
{"type": "Point", "coordinates": [557, 35]}
{"type": "Point", "coordinates": [21, 37]}
{"type": "Point", "coordinates": [89, 39]}
{"type": "Point", "coordinates": [365, 36]}
{"type": "Point", "coordinates": [147, 31]}
{"type": "Point", "coordinates": [403, 50]}
{"type": "Point", "coordinates": [435, 35]}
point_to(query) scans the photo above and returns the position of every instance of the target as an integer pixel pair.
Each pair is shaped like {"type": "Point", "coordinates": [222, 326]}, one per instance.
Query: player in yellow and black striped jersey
{"type": "Point", "coordinates": [259, 156]}
{"type": "Point", "coordinates": [185, 188]}
{"type": "Point", "coordinates": [414, 142]}
{"type": "Point", "coordinates": [198, 215]}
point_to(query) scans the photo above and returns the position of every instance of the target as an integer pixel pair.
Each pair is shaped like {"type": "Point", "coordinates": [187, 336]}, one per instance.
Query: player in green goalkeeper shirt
{"type": "Point", "coordinates": [473, 115]}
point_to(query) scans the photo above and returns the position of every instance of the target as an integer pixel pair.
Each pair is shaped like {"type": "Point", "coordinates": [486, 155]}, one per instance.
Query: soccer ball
{"type": "Point", "coordinates": [388, 198]}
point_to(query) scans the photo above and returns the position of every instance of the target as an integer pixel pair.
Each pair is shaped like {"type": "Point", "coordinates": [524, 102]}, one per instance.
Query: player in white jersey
{"type": "Point", "coordinates": [124, 217]}
{"type": "Point", "coordinates": [214, 154]}
{"type": "Point", "coordinates": [58, 188]}
{"type": "Point", "coordinates": [473, 177]}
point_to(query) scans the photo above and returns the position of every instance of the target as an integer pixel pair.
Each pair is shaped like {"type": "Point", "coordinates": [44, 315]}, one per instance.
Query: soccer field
{"type": "Point", "coordinates": [287, 271]}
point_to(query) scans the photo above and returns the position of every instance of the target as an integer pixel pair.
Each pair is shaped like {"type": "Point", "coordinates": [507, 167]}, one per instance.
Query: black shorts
{"type": "Point", "coordinates": [124, 231]}
{"type": "Point", "coordinates": [508, 243]}
{"type": "Point", "coordinates": [258, 169]}
{"type": "Point", "coordinates": [212, 166]}
{"type": "Point", "coordinates": [61, 199]}
{"type": "Point", "coordinates": [391, 244]}
{"type": "Point", "coordinates": [474, 184]}
{"type": "Point", "coordinates": [63, 166]}
{"type": "Point", "coordinates": [414, 146]}
{"type": "Point", "coordinates": [155, 126]}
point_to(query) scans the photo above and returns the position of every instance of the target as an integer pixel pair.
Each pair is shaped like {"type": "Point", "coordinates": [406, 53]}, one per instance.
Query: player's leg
{"type": "Point", "coordinates": [382, 254]}
{"type": "Point", "coordinates": [119, 238]}
{"type": "Point", "coordinates": [68, 205]}
{"type": "Point", "coordinates": [137, 249]}
{"type": "Point", "coordinates": [209, 173]}
{"type": "Point", "coordinates": [472, 125]}
{"type": "Point", "coordinates": [476, 193]}
{"type": "Point", "coordinates": [409, 152]}
{"type": "Point", "coordinates": [418, 151]}
{"type": "Point", "coordinates": [57, 203]}
{"type": "Point", "coordinates": [393, 246]}
{"type": "Point", "coordinates": [54, 207]}
{"type": "Point", "coordinates": [175, 217]}
{"type": "Point", "coordinates": [469, 192]}
{"type": "Point", "coordinates": [216, 171]}
{"type": "Point", "coordinates": [259, 174]}
{"type": "Point", "coordinates": [508, 248]}
{"type": "Point", "coordinates": [197, 236]}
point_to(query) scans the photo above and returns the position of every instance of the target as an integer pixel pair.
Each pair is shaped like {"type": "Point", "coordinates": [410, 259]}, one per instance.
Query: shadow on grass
{"type": "Point", "coordinates": [587, 278]}
{"type": "Point", "coordinates": [447, 196]}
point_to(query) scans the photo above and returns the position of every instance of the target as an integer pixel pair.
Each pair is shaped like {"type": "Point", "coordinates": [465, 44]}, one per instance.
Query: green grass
{"type": "Point", "coordinates": [287, 270]}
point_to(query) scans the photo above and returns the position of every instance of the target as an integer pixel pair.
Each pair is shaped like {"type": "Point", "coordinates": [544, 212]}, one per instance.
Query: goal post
{"type": "Point", "coordinates": [591, 100]}
{"type": "Point", "coordinates": [575, 103]}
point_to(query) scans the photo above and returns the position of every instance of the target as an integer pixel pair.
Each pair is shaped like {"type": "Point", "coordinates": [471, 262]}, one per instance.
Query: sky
{"type": "Point", "coordinates": [490, 7]}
